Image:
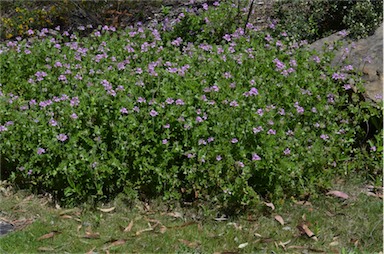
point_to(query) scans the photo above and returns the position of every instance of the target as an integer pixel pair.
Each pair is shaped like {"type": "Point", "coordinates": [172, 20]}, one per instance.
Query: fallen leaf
{"type": "Point", "coordinates": [106, 210]}
{"type": "Point", "coordinates": [303, 228]}
{"type": "Point", "coordinates": [184, 225]}
{"type": "Point", "coordinates": [243, 245]}
{"type": "Point", "coordinates": [335, 243]}
{"type": "Point", "coordinates": [90, 235]}
{"type": "Point", "coordinates": [79, 227]}
{"type": "Point", "coordinates": [338, 194]}
{"type": "Point", "coordinates": [279, 219]}
{"type": "Point", "coordinates": [175, 215]}
{"type": "Point", "coordinates": [66, 216]}
{"type": "Point", "coordinates": [116, 243]}
{"type": "Point", "coordinates": [91, 251]}
{"type": "Point", "coordinates": [189, 244]}
{"type": "Point", "coordinates": [68, 211]}
{"type": "Point", "coordinates": [257, 235]}
{"type": "Point", "coordinates": [272, 206]}
{"type": "Point", "coordinates": [129, 227]}
{"type": "Point", "coordinates": [46, 249]}
{"type": "Point", "coordinates": [222, 218]}
{"type": "Point", "coordinates": [150, 228]}
{"type": "Point", "coordinates": [296, 247]}
{"type": "Point", "coordinates": [49, 235]}
{"type": "Point", "coordinates": [305, 203]}
{"type": "Point", "coordinates": [163, 229]}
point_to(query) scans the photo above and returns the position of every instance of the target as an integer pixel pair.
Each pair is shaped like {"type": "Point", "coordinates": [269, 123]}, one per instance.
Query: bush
{"type": "Point", "coordinates": [256, 115]}
{"type": "Point", "coordinates": [313, 20]}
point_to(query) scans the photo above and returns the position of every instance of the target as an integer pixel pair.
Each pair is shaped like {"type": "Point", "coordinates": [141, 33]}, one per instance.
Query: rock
{"type": "Point", "coordinates": [365, 55]}
{"type": "Point", "coordinates": [5, 228]}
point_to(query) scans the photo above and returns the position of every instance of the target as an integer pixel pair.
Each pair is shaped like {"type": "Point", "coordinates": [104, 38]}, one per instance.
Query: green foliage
{"type": "Point", "coordinates": [207, 25]}
{"type": "Point", "coordinates": [137, 112]}
{"type": "Point", "coordinates": [311, 20]}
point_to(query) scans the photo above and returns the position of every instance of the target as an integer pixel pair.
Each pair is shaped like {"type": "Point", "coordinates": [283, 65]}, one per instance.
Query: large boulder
{"type": "Point", "coordinates": [365, 55]}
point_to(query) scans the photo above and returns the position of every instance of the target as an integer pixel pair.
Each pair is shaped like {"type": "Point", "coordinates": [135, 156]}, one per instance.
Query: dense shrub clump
{"type": "Point", "coordinates": [138, 111]}
{"type": "Point", "coordinates": [312, 20]}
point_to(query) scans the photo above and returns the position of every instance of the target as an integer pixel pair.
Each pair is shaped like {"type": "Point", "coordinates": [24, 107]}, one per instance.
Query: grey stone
{"type": "Point", "coordinates": [5, 228]}
{"type": "Point", "coordinates": [365, 55]}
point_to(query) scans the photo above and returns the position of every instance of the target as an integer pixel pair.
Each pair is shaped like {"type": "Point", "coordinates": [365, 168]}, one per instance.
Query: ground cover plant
{"type": "Point", "coordinates": [233, 118]}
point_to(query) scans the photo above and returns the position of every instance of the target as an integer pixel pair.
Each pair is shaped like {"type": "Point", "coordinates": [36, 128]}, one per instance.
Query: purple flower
{"type": "Point", "coordinates": [227, 37]}
{"type": "Point", "coordinates": [190, 155]}
{"type": "Point", "coordinates": [260, 112]}
{"type": "Point", "coordinates": [52, 122]}
{"type": "Point", "coordinates": [141, 100]}
{"type": "Point", "coordinates": [153, 113]}
{"type": "Point", "coordinates": [40, 150]}
{"type": "Point", "coordinates": [3, 128]}
{"type": "Point", "coordinates": [347, 86]}
{"type": "Point", "coordinates": [75, 101]}
{"type": "Point", "coordinates": [289, 133]}
{"type": "Point", "coordinates": [202, 142]}
{"type": "Point", "coordinates": [169, 101]}
{"type": "Point", "coordinates": [210, 139]}
{"type": "Point", "coordinates": [324, 136]}
{"type": "Point", "coordinates": [62, 137]}
{"type": "Point", "coordinates": [179, 102]}
{"type": "Point", "coordinates": [123, 111]}
{"type": "Point", "coordinates": [234, 140]}
{"type": "Point", "coordinates": [234, 104]}
{"type": "Point", "coordinates": [218, 158]}
{"type": "Point", "coordinates": [165, 141]}
{"type": "Point", "coordinates": [255, 157]}
{"type": "Point", "coordinates": [74, 116]}
{"type": "Point", "coordinates": [215, 88]}
{"type": "Point", "coordinates": [257, 129]}
{"type": "Point", "coordinates": [300, 110]}
{"type": "Point", "coordinates": [240, 164]}
{"type": "Point", "coordinates": [253, 91]}
{"type": "Point", "coordinates": [373, 148]}
{"type": "Point", "coordinates": [167, 126]}
{"type": "Point", "coordinates": [199, 119]}
{"type": "Point", "coordinates": [287, 151]}
{"type": "Point", "coordinates": [271, 132]}
{"type": "Point", "coordinates": [136, 109]}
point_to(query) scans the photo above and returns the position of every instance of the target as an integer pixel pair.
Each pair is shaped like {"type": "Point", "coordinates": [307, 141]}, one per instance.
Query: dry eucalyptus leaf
{"type": "Point", "coordinates": [338, 194]}
{"type": "Point", "coordinates": [175, 215]}
{"type": "Point", "coordinates": [106, 210]}
{"type": "Point", "coordinates": [49, 235]}
{"type": "Point", "coordinates": [243, 245]}
{"type": "Point", "coordinates": [272, 206]}
{"type": "Point", "coordinates": [279, 219]}
{"type": "Point", "coordinates": [46, 249]}
{"type": "Point", "coordinates": [189, 244]}
{"type": "Point", "coordinates": [91, 251]}
{"type": "Point", "coordinates": [129, 227]}
{"type": "Point", "coordinates": [90, 235]}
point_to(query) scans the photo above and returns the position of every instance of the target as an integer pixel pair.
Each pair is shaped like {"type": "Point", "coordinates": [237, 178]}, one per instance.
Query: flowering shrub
{"type": "Point", "coordinates": [126, 111]}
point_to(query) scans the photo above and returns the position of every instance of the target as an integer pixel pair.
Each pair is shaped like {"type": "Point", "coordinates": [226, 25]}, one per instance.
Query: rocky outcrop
{"type": "Point", "coordinates": [365, 55]}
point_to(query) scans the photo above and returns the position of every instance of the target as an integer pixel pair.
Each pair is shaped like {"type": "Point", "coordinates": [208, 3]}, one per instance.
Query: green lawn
{"type": "Point", "coordinates": [352, 225]}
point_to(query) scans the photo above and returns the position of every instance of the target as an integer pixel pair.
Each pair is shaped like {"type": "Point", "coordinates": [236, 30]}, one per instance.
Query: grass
{"type": "Point", "coordinates": [353, 225]}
